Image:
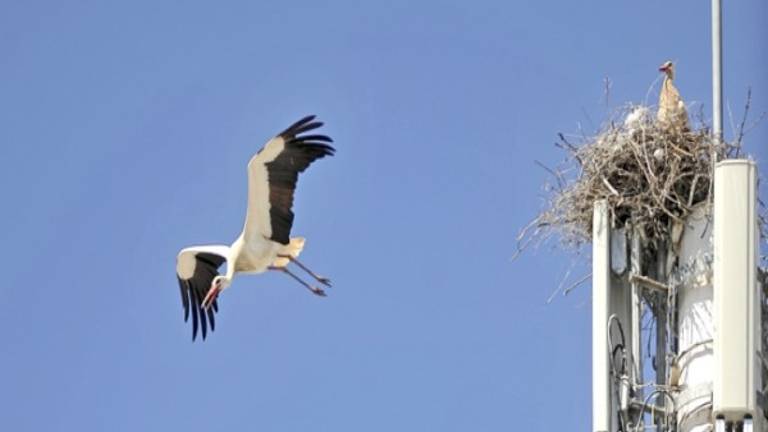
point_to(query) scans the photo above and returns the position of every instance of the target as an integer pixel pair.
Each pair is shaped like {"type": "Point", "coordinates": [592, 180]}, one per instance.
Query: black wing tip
{"type": "Point", "coordinates": [318, 137]}
{"type": "Point", "coordinates": [204, 333]}
{"type": "Point", "coordinates": [306, 119]}
{"type": "Point", "coordinates": [307, 123]}
{"type": "Point", "coordinates": [205, 328]}
{"type": "Point", "coordinates": [318, 149]}
{"type": "Point", "coordinates": [211, 321]}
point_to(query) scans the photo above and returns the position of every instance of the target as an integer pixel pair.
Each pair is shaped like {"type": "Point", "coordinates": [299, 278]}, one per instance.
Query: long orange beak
{"type": "Point", "coordinates": [210, 297]}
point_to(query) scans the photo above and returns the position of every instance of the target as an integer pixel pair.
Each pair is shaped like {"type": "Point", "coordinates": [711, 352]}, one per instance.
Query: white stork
{"type": "Point", "coordinates": [265, 242]}
{"type": "Point", "coordinates": [672, 112]}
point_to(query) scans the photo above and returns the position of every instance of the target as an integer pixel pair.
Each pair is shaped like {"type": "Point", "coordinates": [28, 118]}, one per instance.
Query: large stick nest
{"type": "Point", "coordinates": [650, 174]}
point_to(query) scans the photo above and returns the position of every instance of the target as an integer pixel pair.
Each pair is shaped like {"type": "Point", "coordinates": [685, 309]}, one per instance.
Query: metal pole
{"type": "Point", "coordinates": [601, 309]}
{"type": "Point", "coordinates": [636, 313]}
{"type": "Point", "coordinates": [717, 70]}
{"type": "Point", "coordinates": [660, 306]}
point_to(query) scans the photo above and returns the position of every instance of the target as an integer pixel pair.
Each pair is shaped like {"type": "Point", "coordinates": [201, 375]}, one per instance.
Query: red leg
{"type": "Point", "coordinates": [323, 280]}
{"type": "Point", "coordinates": [315, 290]}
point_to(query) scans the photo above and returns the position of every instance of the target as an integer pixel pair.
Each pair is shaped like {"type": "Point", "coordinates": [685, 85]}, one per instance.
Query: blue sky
{"type": "Point", "coordinates": [126, 128]}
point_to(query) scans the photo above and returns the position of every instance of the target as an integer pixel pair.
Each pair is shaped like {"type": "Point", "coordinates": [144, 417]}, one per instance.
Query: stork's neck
{"type": "Point", "coordinates": [234, 254]}
{"type": "Point", "coordinates": [669, 75]}
{"type": "Point", "coordinates": [230, 272]}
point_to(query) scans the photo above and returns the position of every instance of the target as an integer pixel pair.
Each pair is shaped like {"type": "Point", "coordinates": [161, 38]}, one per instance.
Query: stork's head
{"type": "Point", "coordinates": [221, 283]}
{"type": "Point", "coordinates": [668, 68]}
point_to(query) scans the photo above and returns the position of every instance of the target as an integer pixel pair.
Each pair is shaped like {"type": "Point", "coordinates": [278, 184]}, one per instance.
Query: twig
{"type": "Point", "coordinates": [608, 185]}
{"type": "Point", "coordinates": [560, 285]}
{"type": "Point", "coordinates": [577, 283]}
{"type": "Point", "coordinates": [560, 180]}
{"type": "Point", "coordinates": [607, 84]}
{"type": "Point", "coordinates": [740, 135]}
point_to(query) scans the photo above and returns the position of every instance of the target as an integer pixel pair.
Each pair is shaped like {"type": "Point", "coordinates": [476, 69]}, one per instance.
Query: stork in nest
{"type": "Point", "coordinates": [672, 112]}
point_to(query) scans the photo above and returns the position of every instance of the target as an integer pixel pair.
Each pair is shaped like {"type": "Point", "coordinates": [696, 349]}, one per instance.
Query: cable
{"type": "Point", "coordinates": [645, 404]}
{"type": "Point", "coordinates": [618, 375]}
{"type": "Point", "coordinates": [611, 319]}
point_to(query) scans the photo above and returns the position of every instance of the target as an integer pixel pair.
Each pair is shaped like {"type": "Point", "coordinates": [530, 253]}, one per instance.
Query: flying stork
{"type": "Point", "coordinates": [265, 243]}
{"type": "Point", "coordinates": [672, 112]}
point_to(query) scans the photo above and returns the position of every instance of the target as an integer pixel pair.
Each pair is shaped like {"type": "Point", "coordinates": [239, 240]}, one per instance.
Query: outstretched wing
{"type": "Point", "coordinates": [272, 176]}
{"type": "Point", "coordinates": [195, 269]}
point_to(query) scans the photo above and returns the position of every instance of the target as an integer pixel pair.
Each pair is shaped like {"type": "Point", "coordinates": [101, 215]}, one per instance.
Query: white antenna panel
{"type": "Point", "coordinates": [736, 299]}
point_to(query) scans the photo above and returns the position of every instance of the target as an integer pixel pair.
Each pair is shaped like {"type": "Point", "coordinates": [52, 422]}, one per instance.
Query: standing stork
{"type": "Point", "coordinates": [672, 112]}
{"type": "Point", "coordinates": [265, 242]}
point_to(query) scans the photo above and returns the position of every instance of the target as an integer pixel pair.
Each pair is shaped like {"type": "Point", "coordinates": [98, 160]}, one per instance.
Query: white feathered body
{"type": "Point", "coordinates": [672, 111]}
{"type": "Point", "coordinates": [257, 255]}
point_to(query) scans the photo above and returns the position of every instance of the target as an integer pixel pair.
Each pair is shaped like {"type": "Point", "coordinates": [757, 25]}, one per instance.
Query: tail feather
{"type": "Point", "coordinates": [293, 248]}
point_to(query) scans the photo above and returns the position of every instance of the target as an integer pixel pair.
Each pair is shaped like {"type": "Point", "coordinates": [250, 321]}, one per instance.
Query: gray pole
{"type": "Point", "coordinates": [717, 70]}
